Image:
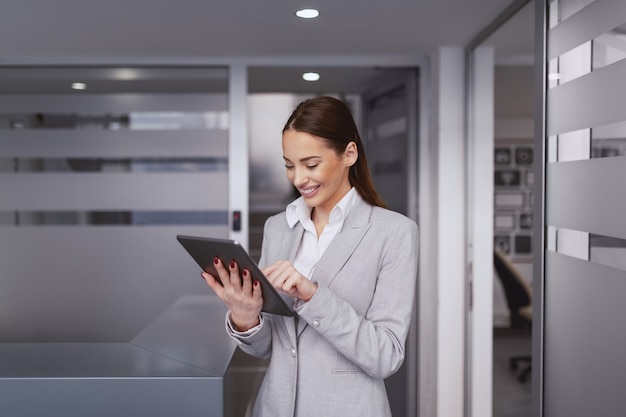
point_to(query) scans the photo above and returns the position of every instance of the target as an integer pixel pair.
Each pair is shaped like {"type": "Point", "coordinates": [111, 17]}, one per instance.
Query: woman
{"type": "Point", "coordinates": [350, 266]}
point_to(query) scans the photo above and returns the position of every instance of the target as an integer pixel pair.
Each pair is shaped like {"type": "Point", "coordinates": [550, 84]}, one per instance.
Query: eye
{"type": "Point", "coordinates": [312, 166]}
{"type": "Point", "coordinates": [288, 166]}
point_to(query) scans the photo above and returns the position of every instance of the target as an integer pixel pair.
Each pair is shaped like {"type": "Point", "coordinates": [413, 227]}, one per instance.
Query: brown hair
{"type": "Point", "coordinates": [331, 120]}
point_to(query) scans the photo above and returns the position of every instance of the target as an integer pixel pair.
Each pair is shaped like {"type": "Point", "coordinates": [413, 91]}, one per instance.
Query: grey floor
{"type": "Point", "coordinates": [511, 398]}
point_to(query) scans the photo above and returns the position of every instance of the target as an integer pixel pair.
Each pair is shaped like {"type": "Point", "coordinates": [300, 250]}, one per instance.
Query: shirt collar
{"type": "Point", "coordinates": [298, 211]}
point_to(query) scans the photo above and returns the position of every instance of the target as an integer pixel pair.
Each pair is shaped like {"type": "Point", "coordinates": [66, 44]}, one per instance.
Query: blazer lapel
{"type": "Point", "coordinates": [342, 246]}
{"type": "Point", "coordinates": [345, 242]}
{"type": "Point", "coordinates": [288, 250]}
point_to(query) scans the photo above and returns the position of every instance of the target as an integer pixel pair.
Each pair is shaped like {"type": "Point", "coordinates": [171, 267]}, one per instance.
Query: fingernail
{"type": "Point", "coordinates": [245, 272]}
{"type": "Point", "coordinates": [256, 283]}
{"type": "Point", "coordinates": [216, 260]}
{"type": "Point", "coordinates": [232, 264]}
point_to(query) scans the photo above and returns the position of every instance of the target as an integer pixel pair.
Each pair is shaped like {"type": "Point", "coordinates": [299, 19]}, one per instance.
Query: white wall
{"type": "Point", "coordinates": [448, 170]}
{"type": "Point", "coordinates": [267, 114]}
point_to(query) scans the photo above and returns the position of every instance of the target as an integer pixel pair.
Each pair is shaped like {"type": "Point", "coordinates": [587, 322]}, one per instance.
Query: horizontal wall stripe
{"type": "Point", "coordinates": [595, 19]}
{"type": "Point", "coordinates": [608, 251]}
{"type": "Point", "coordinates": [606, 242]}
{"type": "Point", "coordinates": [113, 144]}
{"type": "Point", "coordinates": [108, 218]}
{"type": "Point", "coordinates": [173, 165]}
{"type": "Point", "coordinates": [588, 195]}
{"type": "Point", "coordinates": [592, 100]}
{"type": "Point", "coordinates": [113, 191]}
{"type": "Point", "coordinates": [115, 104]}
{"type": "Point", "coordinates": [583, 313]}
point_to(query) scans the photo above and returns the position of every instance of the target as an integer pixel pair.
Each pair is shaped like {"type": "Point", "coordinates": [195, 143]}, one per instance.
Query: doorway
{"type": "Point", "coordinates": [384, 105]}
{"type": "Point", "coordinates": [511, 202]}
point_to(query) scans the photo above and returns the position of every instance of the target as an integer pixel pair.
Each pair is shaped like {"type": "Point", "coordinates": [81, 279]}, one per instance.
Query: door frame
{"type": "Point", "coordinates": [410, 82]}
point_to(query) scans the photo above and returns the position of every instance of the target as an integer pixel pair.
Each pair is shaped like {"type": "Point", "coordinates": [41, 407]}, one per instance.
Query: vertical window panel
{"type": "Point", "coordinates": [575, 63]}
{"type": "Point", "coordinates": [609, 47]}
{"type": "Point", "coordinates": [573, 146]}
{"type": "Point", "coordinates": [584, 208]}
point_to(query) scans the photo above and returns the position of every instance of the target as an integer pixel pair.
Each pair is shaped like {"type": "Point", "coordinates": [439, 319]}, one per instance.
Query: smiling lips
{"type": "Point", "coordinates": [307, 192]}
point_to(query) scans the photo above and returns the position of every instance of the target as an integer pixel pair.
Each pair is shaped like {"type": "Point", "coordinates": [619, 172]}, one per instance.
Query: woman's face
{"type": "Point", "coordinates": [316, 170]}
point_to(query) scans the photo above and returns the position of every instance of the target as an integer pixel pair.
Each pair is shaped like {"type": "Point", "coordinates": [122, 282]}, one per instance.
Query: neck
{"type": "Point", "coordinates": [320, 220]}
{"type": "Point", "coordinates": [319, 216]}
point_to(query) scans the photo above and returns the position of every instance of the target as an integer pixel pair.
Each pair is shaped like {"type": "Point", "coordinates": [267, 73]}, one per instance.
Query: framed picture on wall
{"type": "Point", "coordinates": [502, 156]}
{"type": "Point", "coordinates": [513, 196]}
{"type": "Point", "coordinates": [502, 243]}
{"type": "Point", "coordinates": [523, 245]}
{"type": "Point", "coordinates": [524, 155]}
{"type": "Point", "coordinates": [507, 178]}
{"type": "Point", "coordinates": [505, 222]}
{"type": "Point", "coordinates": [509, 200]}
{"type": "Point", "coordinates": [526, 221]}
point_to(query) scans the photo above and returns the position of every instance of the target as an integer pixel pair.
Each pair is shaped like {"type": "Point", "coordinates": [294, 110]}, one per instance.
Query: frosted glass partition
{"type": "Point", "coordinates": [578, 188]}
{"type": "Point", "coordinates": [584, 278]}
{"type": "Point", "coordinates": [585, 338]}
{"type": "Point", "coordinates": [575, 27]}
{"type": "Point", "coordinates": [113, 190]}
{"type": "Point", "coordinates": [102, 311]}
{"type": "Point", "coordinates": [570, 107]}
{"type": "Point", "coordinates": [70, 143]}
{"type": "Point", "coordinates": [92, 284]}
{"type": "Point", "coordinates": [95, 188]}
{"type": "Point", "coordinates": [610, 47]}
{"type": "Point", "coordinates": [111, 104]}
{"type": "Point", "coordinates": [608, 140]}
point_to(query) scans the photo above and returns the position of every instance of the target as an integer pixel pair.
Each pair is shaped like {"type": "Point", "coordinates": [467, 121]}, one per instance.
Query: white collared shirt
{"type": "Point", "coordinates": [311, 247]}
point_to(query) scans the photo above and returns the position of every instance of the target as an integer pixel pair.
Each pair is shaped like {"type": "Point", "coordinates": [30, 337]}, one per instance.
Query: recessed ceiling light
{"type": "Point", "coordinates": [79, 86]}
{"type": "Point", "coordinates": [307, 13]}
{"type": "Point", "coordinates": [311, 76]}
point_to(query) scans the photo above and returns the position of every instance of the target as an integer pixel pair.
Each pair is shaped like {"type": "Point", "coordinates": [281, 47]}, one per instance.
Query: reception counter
{"type": "Point", "coordinates": [177, 366]}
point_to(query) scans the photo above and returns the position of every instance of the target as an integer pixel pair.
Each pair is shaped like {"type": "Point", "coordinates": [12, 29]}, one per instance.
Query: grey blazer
{"type": "Point", "coordinates": [332, 359]}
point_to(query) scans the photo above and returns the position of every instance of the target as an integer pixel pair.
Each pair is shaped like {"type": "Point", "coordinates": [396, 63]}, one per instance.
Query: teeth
{"type": "Point", "coordinates": [308, 190]}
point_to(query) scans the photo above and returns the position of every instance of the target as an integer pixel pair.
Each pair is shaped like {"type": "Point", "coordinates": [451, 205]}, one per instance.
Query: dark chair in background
{"type": "Point", "coordinates": [519, 301]}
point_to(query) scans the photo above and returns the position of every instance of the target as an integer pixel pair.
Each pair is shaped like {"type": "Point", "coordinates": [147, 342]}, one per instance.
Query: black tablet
{"type": "Point", "coordinates": [204, 249]}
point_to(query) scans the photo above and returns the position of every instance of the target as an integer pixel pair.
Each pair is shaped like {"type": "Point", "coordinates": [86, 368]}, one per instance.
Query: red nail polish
{"type": "Point", "coordinates": [256, 283]}
{"type": "Point", "coordinates": [245, 272]}
{"type": "Point", "coordinates": [216, 260]}
{"type": "Point", "coordinates": [232, 264]}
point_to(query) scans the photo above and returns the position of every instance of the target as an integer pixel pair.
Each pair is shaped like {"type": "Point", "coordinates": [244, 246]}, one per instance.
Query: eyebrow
{"type": "Point", "coordinates": [308, 158]}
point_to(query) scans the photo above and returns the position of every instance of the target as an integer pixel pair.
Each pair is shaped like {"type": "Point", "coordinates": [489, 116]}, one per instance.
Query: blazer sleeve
{"type": "Point", "coordinates": [375, 342]}
{"type": "Point", "coordinates": [257, 343]}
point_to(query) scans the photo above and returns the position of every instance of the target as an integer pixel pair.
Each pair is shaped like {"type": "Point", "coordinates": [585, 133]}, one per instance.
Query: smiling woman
{"type": "Point", "coordinates": [348, 265]}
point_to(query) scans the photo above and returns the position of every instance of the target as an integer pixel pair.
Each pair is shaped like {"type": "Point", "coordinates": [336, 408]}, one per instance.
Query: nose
{"type": "Point", "coordinates": [299, 177]}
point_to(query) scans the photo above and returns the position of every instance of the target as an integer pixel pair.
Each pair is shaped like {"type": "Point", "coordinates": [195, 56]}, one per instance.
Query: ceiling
{"type": "Point", "coordinates": [145, 33]}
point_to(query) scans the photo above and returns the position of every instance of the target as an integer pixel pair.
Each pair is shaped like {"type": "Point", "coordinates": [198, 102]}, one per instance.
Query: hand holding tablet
{"type": "Point", "coordinates": [205, 250]}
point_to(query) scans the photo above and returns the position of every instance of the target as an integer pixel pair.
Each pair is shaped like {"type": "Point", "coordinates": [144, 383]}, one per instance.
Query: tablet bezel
{"type": "Point", "coordinates": [204, 250]}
